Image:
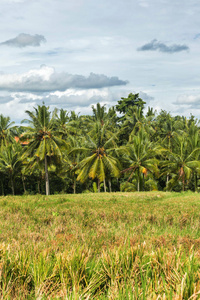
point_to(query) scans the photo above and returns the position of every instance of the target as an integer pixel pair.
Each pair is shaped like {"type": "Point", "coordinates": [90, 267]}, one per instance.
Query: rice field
{"type": "Point", "coordinates": [100, 246]}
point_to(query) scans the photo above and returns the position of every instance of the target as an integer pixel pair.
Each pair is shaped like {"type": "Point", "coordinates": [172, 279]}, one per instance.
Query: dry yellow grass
{"type": "Point", "coordinates": [102, 246]}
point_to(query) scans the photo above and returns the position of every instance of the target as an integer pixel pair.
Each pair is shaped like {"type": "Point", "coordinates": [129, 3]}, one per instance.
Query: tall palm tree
{"type": "Point", "coordinates": [70, 160]}
{"type": "Point", "coordinates": [99, 161]}
{"type": "Point", "coordinates": [166, 129]}
{"type": "Point", "coordinates": [7, 130]}
{"type": "Point", "coordinates": [11, 162]}
{"type": "Point", "coordinates": [99, 112]}
{"type": "Point", "coordinates": [62, 120]}
{"type": "Point", "coordinates": [194, 140]}
{"type": "Point", "coordinates": [139, 155]}
{"type": "Point", "coordinates": [182, 161]}
{"type": "Point", "coordinates": [44, 142]}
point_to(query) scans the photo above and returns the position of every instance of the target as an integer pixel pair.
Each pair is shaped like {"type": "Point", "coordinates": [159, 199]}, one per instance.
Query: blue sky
{"type": "Point", "coordinates": [73, 54]}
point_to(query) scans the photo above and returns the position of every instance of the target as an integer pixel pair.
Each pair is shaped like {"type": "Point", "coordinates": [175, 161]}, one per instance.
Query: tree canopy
{"type": "Point", "coordinates": [120, 148]}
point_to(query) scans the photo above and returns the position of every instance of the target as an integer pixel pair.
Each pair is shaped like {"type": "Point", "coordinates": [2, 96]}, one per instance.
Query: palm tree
{"type": "Point", "coordinates": [62, 119]}
{"type": "Point", "coordinates": [182, 161]}
{"type": "Point", "coordinates": [7, 130]}
{"type": "Point", "coordinates": [139, 155]}
{"type": "Point", "coordinates": [100, 161]}
{"type": "Point", "coordinates": [43, 140]}
{"type": "Point", "coordinates": [100, 116]}
{"type": "Point", "coordinates": [11, 162]}
{"type": "Point", "coordinates": [193, 136]}
{"type": "Point", "coordinates": [166, 129]}
{"type": "Point", "coordinates": [70, 160]}
{"type": "Point", "coordinates": [99, 113]}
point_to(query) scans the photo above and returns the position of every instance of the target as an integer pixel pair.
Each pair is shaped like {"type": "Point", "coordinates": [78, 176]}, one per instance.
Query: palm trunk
{"type": "Point", "coordinates": [74, 185]}
{"type": "Point", "coordinates": [195, 182]}
{"type": "Point", "coordinates": [12, 185]}
{"type": "Point", "coordinates": [38, 184]}
{"type": "Point", "coordinates": [2, 188]}
{"type": "Point", "coordinates": [167, 182]}
{"type": "Point", "coordinates": [46, 176]}
{"type": "Point", "coordinates": [104, 184]}
{"type": "Point", "coordinates": [23, 182]}
{"type": "Point", "coordinates": [143, 181]}
{"type": "Point", "coordinates": [98, 185]}
{"type": "Point", "coordinates": [110, 186]}
{"type": "Point", "coordinates": [183, 189]}
{"type": "Point", "coordinates": [138, 183]}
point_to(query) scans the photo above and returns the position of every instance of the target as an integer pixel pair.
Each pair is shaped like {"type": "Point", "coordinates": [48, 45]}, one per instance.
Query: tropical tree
{"type": "Point", "coordinates": [67, 169]}
{"type": "Point", "coordinates": [194, 140]}
{"type": "Point", "coordinates": [62, 121]}
{"type": "Point", "coordinates": [11, 162]}
{"type": "Point", "coordinates": [139, 156]}
{"type": "Point", "coordinates": [100, 161]}
{"type": "Point", "coordinates": [7, 130]}
{"type": "Point", "coordinates": [131, 101]}
{"type": "Point", "coordinates": [181, 162]}
{"type": "Point", "coordinates": [43, 138]}
{"type": "Point", "coordinates": [107, 119]}
{"type": "Point", "coordinates": [99, 113]}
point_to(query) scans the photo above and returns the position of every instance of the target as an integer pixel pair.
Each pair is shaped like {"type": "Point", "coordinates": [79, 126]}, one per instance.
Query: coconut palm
{"type": "Point", "coordinates": [99, 113]}
{"type": "Point", "coordinates": [182, 161]}
{"type": "Point", "coordinates": [139, 155]}
{"type": "Point", "coordinates": [70, 160]}
{"type": "Point", "coordinates": [7, 130]}
{"type": "Point", "coordinates": [43, 138]}
{"type": "Point", "coordinates": [62, 120]}
{"type": "Point", "coordinates": [194, 140]}
{"type": "Point", "coordinates": [109, 119]}
{"type": "Point", "coordinates": [11, 162]}
{"type": "Point", "coordinates": [99, 161]}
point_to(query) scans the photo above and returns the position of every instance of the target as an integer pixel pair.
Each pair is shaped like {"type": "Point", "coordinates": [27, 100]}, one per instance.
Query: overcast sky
{"type": "Point", "coordinates": [72, 54]}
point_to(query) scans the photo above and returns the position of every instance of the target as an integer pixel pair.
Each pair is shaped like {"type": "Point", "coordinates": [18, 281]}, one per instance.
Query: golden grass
{"type": "Point", "coordinates": [100, 246]}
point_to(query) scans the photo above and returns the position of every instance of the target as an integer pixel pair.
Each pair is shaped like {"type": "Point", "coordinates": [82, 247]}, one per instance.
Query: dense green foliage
{"type": "Point", "coordinates": [100, 246]}
{"type": "Point", "coordinates": [60, 151]}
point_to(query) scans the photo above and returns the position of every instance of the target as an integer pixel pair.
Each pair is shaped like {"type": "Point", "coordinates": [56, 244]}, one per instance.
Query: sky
{"type": "Point", "coordinates": [73, 54]}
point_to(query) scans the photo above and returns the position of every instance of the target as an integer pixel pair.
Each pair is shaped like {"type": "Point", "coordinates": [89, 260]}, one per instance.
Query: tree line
{"type": "Point", "coordinates": [119, 149]}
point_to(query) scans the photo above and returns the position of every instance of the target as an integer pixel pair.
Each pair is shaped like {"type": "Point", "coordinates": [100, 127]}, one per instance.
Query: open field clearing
{"type": "Point", "coordinates": [100, 246]}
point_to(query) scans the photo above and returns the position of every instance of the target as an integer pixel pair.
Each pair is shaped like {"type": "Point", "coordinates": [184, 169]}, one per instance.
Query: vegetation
{"type": "Point", "coordinates": [119, 245]}
{"type": "Point", "coordinates": [121, 149]}
{"type": "Point", "coordinates": [100, 246]}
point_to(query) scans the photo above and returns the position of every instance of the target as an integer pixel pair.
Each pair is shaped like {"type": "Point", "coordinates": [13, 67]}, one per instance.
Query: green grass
{"type": "Point", "coordinates": [100, 246]}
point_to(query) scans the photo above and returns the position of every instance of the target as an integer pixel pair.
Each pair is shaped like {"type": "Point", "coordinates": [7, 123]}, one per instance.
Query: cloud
{"type": "Point", "coordinates": [25, 40]}
{"type": "Point", "coordinates": [68, 99]}
{"type": "Point", "coordinates": [192, 100]}
{"type": "Point", "coordinates": [5, 99]}
{"type": "Point", "coordinates": [46, 79]}
{"type": "Point", "coordinates": [144, 96]}
{"type": "Point", "coordinates": [155, 45]}
{"type": "Point", "coordinates": [72, 99]}
{"type": "Point", "coordinates": [14, 104]}
{"type": "Point", "coordinates": [143, 3]}
{"type": "Point", "coordinates": [197, 36]}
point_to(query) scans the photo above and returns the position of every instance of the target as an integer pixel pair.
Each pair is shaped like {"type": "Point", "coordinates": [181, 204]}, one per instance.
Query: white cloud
{"type": "Point", "coordinates": [15, 104]}
{"type": "Point", "coordinates": [46, 79]}
{"type": "Point", "coordinates": [192, 100]}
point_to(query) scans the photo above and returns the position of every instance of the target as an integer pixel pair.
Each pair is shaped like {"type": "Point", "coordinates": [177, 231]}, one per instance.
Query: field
{"type": "Point", "coordinates": [100, 246]}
